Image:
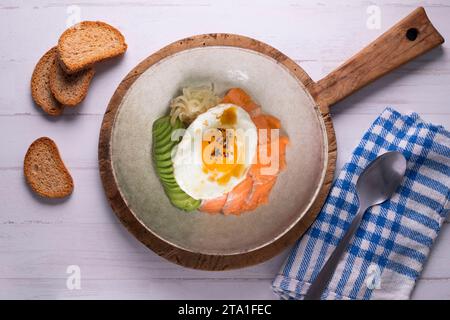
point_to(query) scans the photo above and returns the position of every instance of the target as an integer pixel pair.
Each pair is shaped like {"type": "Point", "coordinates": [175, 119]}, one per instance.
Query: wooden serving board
{"type": "Point", "coordinates": [411, 37]}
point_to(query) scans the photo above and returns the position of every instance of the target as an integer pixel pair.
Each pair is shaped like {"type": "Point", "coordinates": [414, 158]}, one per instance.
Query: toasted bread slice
{"type": "Point", "coordinates": [45, 171]}
{"type": "Point", "coordinates": [40, 84]}
{"type": "Point", "coordinates": [88, 42]}
{"type": "Point", "coordinates": [69, 89]}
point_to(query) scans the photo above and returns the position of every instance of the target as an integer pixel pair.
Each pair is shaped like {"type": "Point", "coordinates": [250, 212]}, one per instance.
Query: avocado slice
{"type": "Point", "coordinates": [166, 148]}
{"type": "Point", "coordinates": [164, 171]}
{"type": "Point", "coordinates": [162, 156]}
{"type": "Point", "coordinates": [160, 126]}
{"type": "Point", "coordinates": [187, 205]}
{"type": "Point", "coordinates": [167, 179]}
{"type": "Point", "coordinates": [164, 163]}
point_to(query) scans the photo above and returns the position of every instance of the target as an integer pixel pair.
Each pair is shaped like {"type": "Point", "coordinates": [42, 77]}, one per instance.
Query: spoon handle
{"type": "Point", "coordinates": [321, 281]}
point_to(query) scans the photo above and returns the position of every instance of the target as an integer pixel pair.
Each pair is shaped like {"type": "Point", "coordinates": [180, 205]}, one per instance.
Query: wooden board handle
{"type": "Point", "coordinates": [411, 37]}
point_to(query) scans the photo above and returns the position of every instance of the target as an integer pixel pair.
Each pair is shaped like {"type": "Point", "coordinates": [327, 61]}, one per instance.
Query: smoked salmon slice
{"type": "Point", "coordinates": [264, 156]}
{"type": "Point", "coordinates": [259, 194]}
{"type": "Point", "coordinates": [283, 142]}
{"type": "Point", "coordinates": [265, 121]}
{"type": "Point", "coordinates": [273, 122]}
{"type": "Point", "coordinates": [237, 197]}
{"type": "Point", "coordinates": [239, 97]}
{"type": "Point", "coordinates": [213, 205]}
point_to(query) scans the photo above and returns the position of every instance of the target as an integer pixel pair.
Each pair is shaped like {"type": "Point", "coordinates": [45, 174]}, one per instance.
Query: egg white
{"type": "Point", "coordinates": [187, 159]}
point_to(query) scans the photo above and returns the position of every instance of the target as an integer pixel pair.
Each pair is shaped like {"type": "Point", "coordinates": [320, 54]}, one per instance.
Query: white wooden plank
{"type": "Point", "coordinates": [317, 52]}
{"type": "Point", "coordinates": [436, 289]}
{"type": "Point", "coordinates": [87, 204]}
{"type": "Point", "coordinates": [42, 249]}
{"type": "Point", "coordinates": [76, 137]}
{"type": "Point", "coordinates": [132, 264]}
{"type": "Point", "coordinates": [421, 85]}
{"type": "Point", "coordinates": [137, 289]}
{"type": "Point", "coordinates": [14, 4]}
{"type": "Point", "coordinates": [172, 289]}
{"type": "Point", "coordinates": [20, 206]}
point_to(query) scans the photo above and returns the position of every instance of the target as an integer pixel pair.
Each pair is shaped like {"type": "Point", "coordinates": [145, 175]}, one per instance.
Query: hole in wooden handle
{"type": "Point", "coordinates": [412, 34]}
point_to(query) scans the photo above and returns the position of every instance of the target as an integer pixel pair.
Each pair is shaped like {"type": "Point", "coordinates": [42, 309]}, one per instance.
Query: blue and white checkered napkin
{"type": "Point", "coordinates": [388, 252]}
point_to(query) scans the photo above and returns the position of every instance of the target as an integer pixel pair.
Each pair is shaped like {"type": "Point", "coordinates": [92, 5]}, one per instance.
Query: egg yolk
{"type": "Point", "coordinates": [228, 117]}
{"type": "Point", "coordinates": [220, 153]}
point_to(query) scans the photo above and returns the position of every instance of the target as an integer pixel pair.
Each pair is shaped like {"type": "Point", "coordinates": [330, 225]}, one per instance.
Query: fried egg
{"type": "Point", "coordinates": [216, 151]}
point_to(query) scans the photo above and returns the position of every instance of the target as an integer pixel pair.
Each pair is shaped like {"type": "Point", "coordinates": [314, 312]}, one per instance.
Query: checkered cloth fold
{"type": "Point", "coordinates": [388, 251]}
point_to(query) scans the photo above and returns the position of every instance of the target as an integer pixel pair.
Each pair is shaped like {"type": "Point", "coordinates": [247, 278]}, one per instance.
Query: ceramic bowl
{"type": "Point", "coordinates": [146, 95]}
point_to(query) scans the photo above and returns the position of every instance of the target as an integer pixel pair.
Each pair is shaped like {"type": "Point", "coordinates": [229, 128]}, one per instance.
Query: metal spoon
{"type": "Point", "coordinates": [375, 185]}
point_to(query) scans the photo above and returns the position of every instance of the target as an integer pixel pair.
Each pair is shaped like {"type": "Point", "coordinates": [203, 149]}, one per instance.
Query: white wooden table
{"type": "Point", "coordinates": [40, 239]}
